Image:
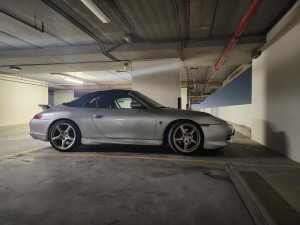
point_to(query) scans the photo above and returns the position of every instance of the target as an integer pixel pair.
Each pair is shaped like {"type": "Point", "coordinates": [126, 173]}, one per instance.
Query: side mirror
{"type": "Point", "coordinates": [136, 105]}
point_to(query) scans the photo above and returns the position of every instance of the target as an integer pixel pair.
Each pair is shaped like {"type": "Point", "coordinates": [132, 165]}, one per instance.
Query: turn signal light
{"type": "Point", "coordinates": [37, 117]}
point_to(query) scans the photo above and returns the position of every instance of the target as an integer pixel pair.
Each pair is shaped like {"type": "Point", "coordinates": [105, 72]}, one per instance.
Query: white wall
{"type": "Point", "coordinates": [61, 96]}
{"type": "Point", "coordinates": [274, 115]}
{"type": "Point", "coordinates": [158, 79]}
{"type": "Point", "coordinates": [276, 93]}
{"type": "Point", "coordinates": [239, 114]}
{"type": "Point", "coordinates": [19, 101]}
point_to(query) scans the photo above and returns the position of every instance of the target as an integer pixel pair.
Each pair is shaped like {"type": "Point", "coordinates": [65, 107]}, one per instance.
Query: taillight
{"type": "Point", "coordinates": [37, 117]}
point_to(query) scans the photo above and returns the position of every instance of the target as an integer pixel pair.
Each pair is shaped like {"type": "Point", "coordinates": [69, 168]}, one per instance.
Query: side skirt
{"type": "Point", "coordinates": [97, 141]}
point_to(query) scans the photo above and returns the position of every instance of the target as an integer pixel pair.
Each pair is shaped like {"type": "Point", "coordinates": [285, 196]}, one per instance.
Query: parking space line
{"type": "Point", "coordinates": [18, 153]}
{"type": "Point", "coordinates": [168, 159]}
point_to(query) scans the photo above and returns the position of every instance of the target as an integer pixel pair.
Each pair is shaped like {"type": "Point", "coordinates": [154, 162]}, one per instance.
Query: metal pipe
{"type": "Point", "coordinates": [249, 14]}
{"type": "Point", "coordinates": [188, 11]}
{"type": "Point", "coordinates": [76, 23]}
{"type": "Point", "coordinates": [193, 82]}
{"type": "Point", "coordinates": [22, 21]}
{"type": "Point", "coordinates": [197, 72]}
{"type": "Point", "coordinates": [178, 24]}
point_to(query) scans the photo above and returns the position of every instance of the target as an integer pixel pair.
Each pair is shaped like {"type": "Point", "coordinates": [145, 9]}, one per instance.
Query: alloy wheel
{"type": "Point", "coordinates": [63, 136]}
{"type": "Point", "coordinates": [186, 138]}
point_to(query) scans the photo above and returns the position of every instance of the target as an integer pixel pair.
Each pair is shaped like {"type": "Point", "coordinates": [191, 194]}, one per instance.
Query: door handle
{"type": "Point", "coordinates": [97, 116]}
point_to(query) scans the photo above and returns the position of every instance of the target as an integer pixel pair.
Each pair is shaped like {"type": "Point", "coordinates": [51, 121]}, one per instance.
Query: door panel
{"type": "Point", "coordinates": [126, 123]}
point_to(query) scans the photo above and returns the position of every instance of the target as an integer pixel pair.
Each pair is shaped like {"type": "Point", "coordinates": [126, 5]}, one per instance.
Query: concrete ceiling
{"type": "Point", "coordinates": [66, 47]}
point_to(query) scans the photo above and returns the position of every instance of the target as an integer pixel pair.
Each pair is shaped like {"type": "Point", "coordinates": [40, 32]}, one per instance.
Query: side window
{"type": "Point", "coordinates": [106, 101]}
{"type": "Point", "coordinates": [92, 103]}
{"type": "Point", "coordinates": [124, 103]}
{"type": "Point", "coordinates": [111, 101]}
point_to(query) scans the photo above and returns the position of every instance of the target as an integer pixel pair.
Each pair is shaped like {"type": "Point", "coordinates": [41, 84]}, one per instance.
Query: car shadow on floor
{"type": "Point", "coordinates": [138, 149]}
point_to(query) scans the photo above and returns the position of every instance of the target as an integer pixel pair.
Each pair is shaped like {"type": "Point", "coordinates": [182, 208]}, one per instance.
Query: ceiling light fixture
{"type": "Point", "coordinates": [128, 38]}
{"type": "Point", "coordinates": [75, 81]}
{"type": "Point", "coordinates": [95, 9]}
{"type": "Point", "coordinates": [15, 68]}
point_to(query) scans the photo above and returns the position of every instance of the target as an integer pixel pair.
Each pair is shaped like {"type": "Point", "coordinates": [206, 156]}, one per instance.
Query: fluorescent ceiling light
{"type": "Point", "coordinates": [75, 81]}
{"type": "Point", "coordinates": [95, 9]}
{"type": "Point", "coordinates": [15, 68]}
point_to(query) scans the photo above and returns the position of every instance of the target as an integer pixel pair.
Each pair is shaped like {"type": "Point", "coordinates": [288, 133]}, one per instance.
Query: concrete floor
{"type": "Point", "coordinates": [112, 184]}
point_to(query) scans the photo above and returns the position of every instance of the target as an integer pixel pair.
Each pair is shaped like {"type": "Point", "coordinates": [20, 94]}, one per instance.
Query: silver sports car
{"type": "Point", "coordinates": [127, 117]}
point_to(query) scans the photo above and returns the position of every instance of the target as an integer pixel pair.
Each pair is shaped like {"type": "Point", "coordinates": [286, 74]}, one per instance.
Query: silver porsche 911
{"type": "Point", "coordinates": [127, 117]}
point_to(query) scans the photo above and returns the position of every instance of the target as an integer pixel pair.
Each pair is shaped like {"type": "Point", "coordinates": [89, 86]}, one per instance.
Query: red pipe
{"type": "Point", "coordinates": [249, 14]}
{"type": "Point", "coordinates": [17, 78]}
{"type": "Point", "coordinates": [194, 82]}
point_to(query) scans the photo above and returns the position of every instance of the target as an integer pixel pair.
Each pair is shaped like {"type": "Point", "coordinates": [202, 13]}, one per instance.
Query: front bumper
{"type": "Point", "coordinates": [218, 136]}
{"type": "Point", "coordinates": [39, 129]}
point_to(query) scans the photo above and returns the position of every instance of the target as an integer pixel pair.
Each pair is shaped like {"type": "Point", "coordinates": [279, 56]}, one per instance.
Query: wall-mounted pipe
{"type": "Point", "coordinates": [249, 14]}
{"type": "Point", "coordinates": [188, 11]}
{"type": "Point", "coordinates": [81, 27]}
{"type": "Point", "coordinates": [23, 21]}
{"type": "Point", "coordinates": [194, 82]}
{"type": "Point", "coordinates": [178, 24]}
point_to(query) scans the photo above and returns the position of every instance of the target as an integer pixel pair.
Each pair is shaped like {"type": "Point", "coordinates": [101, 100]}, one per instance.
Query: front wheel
{"type": "Point", "coordinates": [185, 138]}
{"type": "Point", "coordinates": [65, 136]}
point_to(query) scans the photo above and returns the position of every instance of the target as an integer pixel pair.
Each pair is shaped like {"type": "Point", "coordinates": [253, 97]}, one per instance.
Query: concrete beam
{"type": "Point", "coordinates": [129, 47]}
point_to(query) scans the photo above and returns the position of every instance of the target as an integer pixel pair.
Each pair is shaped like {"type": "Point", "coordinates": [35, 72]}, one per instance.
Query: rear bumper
{"type": "Point", "coordinates": [217, 136]}
{"type": "Point", "coordinates": [39, 129]}
{"type": "Point", "coordinates": [39, 136]}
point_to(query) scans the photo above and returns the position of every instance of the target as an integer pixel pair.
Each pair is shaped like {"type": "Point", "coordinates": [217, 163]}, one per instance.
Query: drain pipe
{"type": "Point", "coordinates": [23, 21]}
{"type": "Point", "coordinates": [188, 11]}
{"type": "Point", "coordinates": [178, 25]}
{"type": "Point", "coordinates": [248, 16]}
{"type": "Point", "coordinates": [81, 27]}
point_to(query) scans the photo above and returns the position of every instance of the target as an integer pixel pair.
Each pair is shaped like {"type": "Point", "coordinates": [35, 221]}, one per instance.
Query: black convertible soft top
{"type": "Point", "coordinates": [81, 101]}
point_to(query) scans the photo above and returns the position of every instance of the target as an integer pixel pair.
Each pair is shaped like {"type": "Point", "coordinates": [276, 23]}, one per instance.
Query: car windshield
{"type": "Point", "coordinates": [150, 102]}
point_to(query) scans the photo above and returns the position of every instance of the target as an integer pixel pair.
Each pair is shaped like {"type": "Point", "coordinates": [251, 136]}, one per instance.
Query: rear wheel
{"type": "Point", "coordinates": [185, 138]}
{"type": "Point", "coordinates": [65, 136]}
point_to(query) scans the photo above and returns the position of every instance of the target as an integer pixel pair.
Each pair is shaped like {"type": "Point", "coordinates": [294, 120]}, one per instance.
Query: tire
{"type": "Point", "coordinates": [185, 138]}
{"type": "Point", "coordinates": [65, 136]}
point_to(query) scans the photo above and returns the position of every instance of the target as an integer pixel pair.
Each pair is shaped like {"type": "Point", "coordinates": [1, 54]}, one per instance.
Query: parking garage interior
{"type": "Point", "coordinates": [236, 60]}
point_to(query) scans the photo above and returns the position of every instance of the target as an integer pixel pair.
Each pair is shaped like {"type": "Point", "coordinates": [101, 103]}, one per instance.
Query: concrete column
{"type": "Point", "coordinates": [61, 96]}
{"type": "Point", "coordinates": [158, 79]}
{"type": "Point", "coordinates": [183, 98]}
